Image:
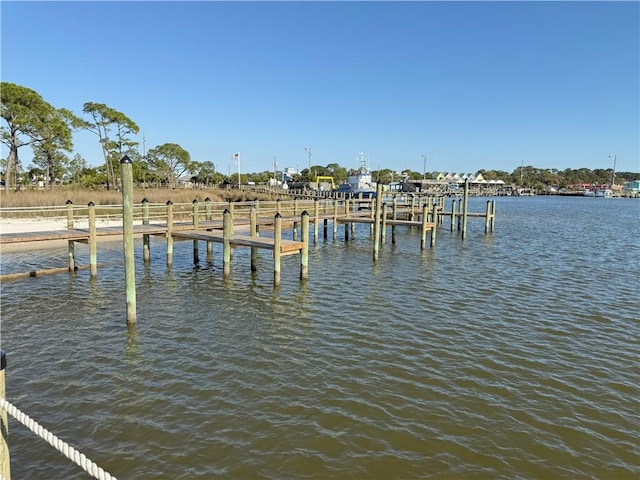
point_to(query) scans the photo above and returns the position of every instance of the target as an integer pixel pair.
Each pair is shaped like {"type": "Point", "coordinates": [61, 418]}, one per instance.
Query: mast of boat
{"type": "Point", "coordinates": [363, 163]}
{"type": "Point", "coordinates": [613, 176]}
{"type": "Point", "coordinates": [521, 172]}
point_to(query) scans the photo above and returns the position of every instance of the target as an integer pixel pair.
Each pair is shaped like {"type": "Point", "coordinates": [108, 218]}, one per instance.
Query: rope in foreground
{"type": "Point", "coordinates": [67, 450]}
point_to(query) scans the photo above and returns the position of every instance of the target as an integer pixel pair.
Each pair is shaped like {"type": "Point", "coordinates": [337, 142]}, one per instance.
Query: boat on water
{"type": "Point", "coordinates": [359, 181]}
{"type": "Point", "coordinates": [603, 191]}
{"type": "Point", "coordinates": [599, 192]}
{"type": "Point", "coordinates": [525, 192]}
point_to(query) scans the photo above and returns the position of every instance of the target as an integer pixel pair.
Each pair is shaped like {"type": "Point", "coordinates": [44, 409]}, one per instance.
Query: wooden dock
{"type": "Point", "coordinates": [205, 228]}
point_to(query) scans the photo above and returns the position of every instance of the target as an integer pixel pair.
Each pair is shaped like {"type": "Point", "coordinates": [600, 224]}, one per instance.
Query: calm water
{"type": "Point", "coordinates": [512, 355]}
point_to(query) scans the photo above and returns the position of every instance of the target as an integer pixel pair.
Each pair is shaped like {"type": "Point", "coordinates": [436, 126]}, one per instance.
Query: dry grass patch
{"type": "Point", "coordinates": [60, 196]}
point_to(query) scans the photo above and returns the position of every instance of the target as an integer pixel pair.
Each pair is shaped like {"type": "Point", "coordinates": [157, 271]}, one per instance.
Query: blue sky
{"type": "Point", "coordinates": [470, 85]}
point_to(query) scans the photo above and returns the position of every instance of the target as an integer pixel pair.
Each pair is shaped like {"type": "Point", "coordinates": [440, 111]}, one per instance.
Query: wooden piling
{"type": "Point", "coordinates": [346, 225]}
{"type": "Point", "coordinates": [304, 254]}
{"type": "Point", "coordinates": [335, 219]}
{"type": "Point", "coordinates": [383, 228]}
{"type": "Point", "coordinates": [376, 222]}
{"type": "Point", "coordinates": [169, 233]}
{"type": "Point", "coordinates": [126, 175]}
{"type": "Point", "coordinates": [316, 220]}
{"type": "Point", "coordinates": [487, 217]}
{"type": "Point", "coordinates": [465, 203]}
{"type": "Point", "coordinates": [253, 226]}
{"type": "Point", "coordinates": [93, 247]}
{"type": "Point", "coordinates": [493, 216]}
{"type": "Point", "coordinates": [5, 462]}
{"type": "Point", "coordinates": [277, 245]}
{"type": "Point", "coordinates": [394, 207]}
{"type": "Point", "coordinates": [257, 206]}
{"type": "Point", "coordinates": [227, 231]}
{"type": "Point", "coordinates": [196, 223]}
{"type": "Point", "coordinates": [423, 237]}
{"type": "Point", "coordinates": [434, 216]}
{"type": "Point", "coordinates": [208, 218]}
{"type": "Point", "coordinates": [413, 202]}
{"type": "Point", "coordinates": [71, 243]}
{"type": "Point", "coordinates": [146, 244]}
{"type": "Point", "coordinates": [453, 214]}
{"type": "Point", "coordinates": [232, 211]}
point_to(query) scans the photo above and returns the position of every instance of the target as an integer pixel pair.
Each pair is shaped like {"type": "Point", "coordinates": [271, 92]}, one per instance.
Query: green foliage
{"type": "Point", "coordinates": [112, 128]}
{"type": "Point", "coordinates": [26, 115]}
{"type": "Point", "coordinates": [170, 161]}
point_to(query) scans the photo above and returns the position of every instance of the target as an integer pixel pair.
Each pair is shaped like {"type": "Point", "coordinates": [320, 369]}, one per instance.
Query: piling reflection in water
{"type": "Point", "coordinates": [495, 357]}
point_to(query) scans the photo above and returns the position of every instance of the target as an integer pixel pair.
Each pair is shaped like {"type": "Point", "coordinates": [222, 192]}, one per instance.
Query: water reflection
{"type": "Point", "coordinates": [132, 348]}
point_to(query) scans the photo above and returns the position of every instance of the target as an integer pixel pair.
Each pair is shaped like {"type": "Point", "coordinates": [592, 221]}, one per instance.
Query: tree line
{"type": "Point", "coordinates": [30, 121]}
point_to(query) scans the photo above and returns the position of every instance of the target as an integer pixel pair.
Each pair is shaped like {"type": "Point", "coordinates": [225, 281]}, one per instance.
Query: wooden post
{"type": "Point", "coordinates": [232, 211]}
{"type": "Point", "coordinates": [146, 254]}
{"type": "Point", "coordinates": [5, 463]}
{"type": "Point", "coordinates": [169, 233]}
{"type": "Point", "coordinates": [93, 248]}
{"type": "Point", "coordinates": [257, 205]}
{"type": "Point", "coordinates": [227, 230]}
{"type": "Point", "coordinates": [304, 254]}
{"type": "Point", "coordinates": [487, 217]}
{"type": "Point", "coordinates": [71, 243]}
{"type": "Point", "coordinates": [453, 213]}
{"type": "Point", "coordinates": [434, 216]}
{"type": "Point", "coordinates": [253, 222]}
{"type": "Point", "coordinates": [395, 216]}
{"type": "Point", "coordinates": [208, 218]}
{"type": "Point", "coordinates": [196, 222]}
{"type": "Point", "coordinates": [376, 221]}
{"type": "Point", "coordinates": [335, 219]}
{"type": "Point", "coordinates": [346, 224]}
{"type": "Point", "coordinates": [372, 206]}
{"type": "Point", "coordinates": [277, 245]}
{"type": "Point", "coordinates": [412, 214]}
{"type": "Point", "coordinates": [459, 215]}
{"type": "Point", "coordinates": [295, 230]}
{"type": "Point", "coordinates": [383, 231]}
{"type": "Point", "coordinates": [493, 216]}
{"type": "Point", "coordinates": [126, 175]}
{"type": "Point", "coordinates": [423, 237]}
{"type": "Point", "coordinates": [316, 221]}
{"type": "Point", "coordinates": [464, 209]}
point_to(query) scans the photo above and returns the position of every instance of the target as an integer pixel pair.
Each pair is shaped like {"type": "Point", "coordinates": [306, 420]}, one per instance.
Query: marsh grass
{"type": "Point", "coordinates": [60, 196]}
{"type": "Point", "coordinates": [49, 203]}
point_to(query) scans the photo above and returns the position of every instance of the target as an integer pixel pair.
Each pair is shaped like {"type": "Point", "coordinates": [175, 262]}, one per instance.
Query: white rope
{"type": "Point", "coordinates": [67, 450]}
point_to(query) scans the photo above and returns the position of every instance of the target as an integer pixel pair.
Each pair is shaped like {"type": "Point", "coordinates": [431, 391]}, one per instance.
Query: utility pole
{"type": "Point", "coordinates": [308, 150]}
{"type": "Point", "coordinates": [275, 167]}
{"type": "Point", "coordinates": [424, 169]}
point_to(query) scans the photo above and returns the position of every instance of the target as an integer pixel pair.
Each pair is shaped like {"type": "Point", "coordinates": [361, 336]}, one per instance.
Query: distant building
{"type": "Point", "coordinates": [632, 188]}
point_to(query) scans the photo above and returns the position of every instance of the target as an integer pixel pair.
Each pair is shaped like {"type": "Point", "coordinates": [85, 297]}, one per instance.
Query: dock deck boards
{"type": "Point", "coordinates": [286, 246]}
